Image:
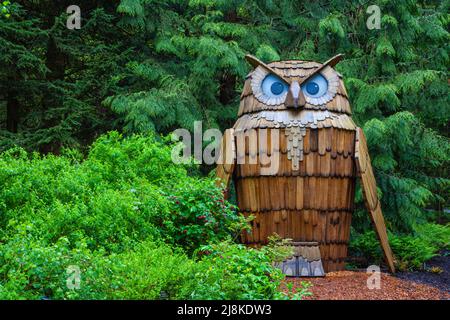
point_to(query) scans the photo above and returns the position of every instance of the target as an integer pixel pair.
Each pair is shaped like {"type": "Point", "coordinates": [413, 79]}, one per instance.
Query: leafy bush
{"type": "Point", "coordinates": [199, 214]}
{"type": "Point", "coordinates": [233, 271]}
{"type": "Point", "coordinates": [410, 251]}
{"type": "Point", "coordinates": [237, 272]}
{"type": "Point", "coordinates": [436, 234]}
{"type": "Point", "coordinates": [124, 192]}
{"type": "Point", "coordinates": [128, 218]}
{"type": "Point", "coordinates": [31, 269]}
{"type": "Point", "coordinates": [366, 246]}
{"type": "Point", "coordinates": [225, 271]}
{"type": "Point", "coordinates": [151, 271]}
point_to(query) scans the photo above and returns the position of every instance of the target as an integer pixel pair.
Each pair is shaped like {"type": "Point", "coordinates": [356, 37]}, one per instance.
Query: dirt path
{"type": "Point", "coordinates": [349, 285]}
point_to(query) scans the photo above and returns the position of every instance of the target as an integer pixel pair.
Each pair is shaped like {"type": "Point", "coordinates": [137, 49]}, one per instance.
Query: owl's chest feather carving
{"type": "Point", "coordinates": [295, 145]}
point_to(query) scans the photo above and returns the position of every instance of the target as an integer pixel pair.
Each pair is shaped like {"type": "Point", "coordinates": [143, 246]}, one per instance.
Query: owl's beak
{"type": "Point", "coordinates": [295, 97]}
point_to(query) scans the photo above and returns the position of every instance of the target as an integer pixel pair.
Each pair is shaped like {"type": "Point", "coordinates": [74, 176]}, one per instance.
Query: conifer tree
{"type": "Point", "coordinates": [58, 77]}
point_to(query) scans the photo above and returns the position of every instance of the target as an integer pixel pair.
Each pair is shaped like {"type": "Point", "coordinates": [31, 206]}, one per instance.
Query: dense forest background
{"type": "Point", "coordinates": [142, 65]}
{"type": "Point", "coordinates": [148, 66]}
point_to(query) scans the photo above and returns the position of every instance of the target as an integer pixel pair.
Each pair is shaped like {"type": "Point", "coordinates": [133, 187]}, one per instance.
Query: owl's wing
{"type": "Point", "coordinates": [369, 188]}
{"type": "Point", "coordinates": [227, 158]}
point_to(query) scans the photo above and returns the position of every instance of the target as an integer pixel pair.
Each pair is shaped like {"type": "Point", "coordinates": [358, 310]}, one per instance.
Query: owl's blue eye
{"type": "Point", "coordinates": [315, 87]}
{"type": "Point", "coordinates": [312, 88]}
{"type": "Point", "coordinates": [274, 87]}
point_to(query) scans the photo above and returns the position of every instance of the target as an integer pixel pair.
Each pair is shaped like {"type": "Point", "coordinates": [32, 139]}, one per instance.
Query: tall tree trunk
{"type": "Point", "coordinates": [55, 61]}
{"type": "Point", "coordinates": [12, 112]}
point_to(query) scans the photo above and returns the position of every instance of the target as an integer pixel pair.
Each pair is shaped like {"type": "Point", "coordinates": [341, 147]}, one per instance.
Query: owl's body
{"type": "Point", "coordinates": [309, 196]}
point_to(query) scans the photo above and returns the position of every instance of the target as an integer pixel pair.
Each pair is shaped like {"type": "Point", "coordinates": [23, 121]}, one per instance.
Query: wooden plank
{"type": "Point", "coordinates": [309, 163]}
{"type": "Point", "coordinates": [306, 143]}
{"type": "Point", "coordinates": [349, 143]}
{"type": "Point", "coordinates": [341, 89]}
{"type": "Point", "coordinates": [336, 193]}
{"type": "Point", "coordinates": [293, 221]}
{"type": "Point", "coordinates": [331, 191]}
{"type": "Point", "coordinates": [334, 142]}
{"type": "Point", "coordinates": [313, 139]}
{"type": "Point", "coordinates": [322, 226]}
{"type": "Point", "coordinates": [307, 196]}
{"type": "Point", "coordinates": [325, 165]}
{"type": "Point", "coordinates": [341, 141]}
{"type": "Point", "coordinates": [299, 203]}
{"type": "Point", "coordinates": [226, 159]}
{"type": "Point", "coordinates": [264, 187]}
{"type": "Point", "coordinates": [307, 214]}
{"type": "Point", "coordinates": [369, 188]}
{"type": "Point", "coordinates": [322, 194]}
{"type": "Point", "coordinates": [322, 140]}
{"type": "Point", "coordinates": [291, 193]}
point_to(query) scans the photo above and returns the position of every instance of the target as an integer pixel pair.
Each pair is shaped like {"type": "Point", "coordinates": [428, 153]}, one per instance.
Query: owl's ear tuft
{"type": "Point", "coordinates": [254, 61]}
{"type": "Point", "coordinates": [333, 61]}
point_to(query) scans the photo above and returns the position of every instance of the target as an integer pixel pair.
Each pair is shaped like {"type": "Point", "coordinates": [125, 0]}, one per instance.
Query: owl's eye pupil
{"type": "Point", "coordinates": [277, 88]}
{"type": "Point", "coordinates": [312, 88]}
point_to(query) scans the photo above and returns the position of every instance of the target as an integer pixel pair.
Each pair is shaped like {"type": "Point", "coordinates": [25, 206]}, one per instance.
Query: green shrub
{"type": "Point", "coordinates": [365, 245]}
{"type": "Point", "coordinates": [225, 271]}
{"type": "Point", "coordinates": [200, 215]}
{"type": "Point", "coordinates": [234, 271]}
{"type": "Point", "coordinates": [118, 160]}
{"type": "Point", "coordinates": [436, 234]}
{"type": "Point", "coordinates": [129, 219]}
{"type": "Point", "coordinates": [410, 251]}
{"type": "Point", "coordinates": [151, 271]}
{"type": "Point", "coordinates": [124, 192]}
{"type": "Point", "coordinates": [32, 269]}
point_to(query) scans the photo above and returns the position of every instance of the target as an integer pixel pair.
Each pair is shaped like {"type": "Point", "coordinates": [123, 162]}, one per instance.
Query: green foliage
{"type": "Point", "coordinates": [151, 271]}
{"type": "Point", "coordinates": [5, 9]}
{"type": "Point", "coordinates": [410, 164]}
{"type": "Point", "coordinates": [410, 251]}
{"type": "Point", "coordinates": [330, 27]}
{"type": "Point", "coordinates": [125, 191]}
{"type": "Point", "coordinates": [33, 269]}
{"type": "Point", "coordinates": [53, 79]}
{"type": "Point", "coordinates": [199, 214]}
{"type": "Point", "coordinates": [129, 219]}
{"type": "Point", "coordinates": [437, 235]}
{"type": "Point", "coordinates": [267, 53]}
{"type": "Point", "coordinates": [233, 271]}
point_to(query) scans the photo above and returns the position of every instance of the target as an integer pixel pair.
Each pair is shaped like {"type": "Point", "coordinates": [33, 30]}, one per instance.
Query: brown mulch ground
{"type": "Point", "coordinates": [352, 285]}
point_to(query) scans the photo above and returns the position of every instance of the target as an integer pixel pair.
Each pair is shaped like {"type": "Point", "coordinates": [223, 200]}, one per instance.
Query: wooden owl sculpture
{"type": "Point", "coordinates": [294, 154]}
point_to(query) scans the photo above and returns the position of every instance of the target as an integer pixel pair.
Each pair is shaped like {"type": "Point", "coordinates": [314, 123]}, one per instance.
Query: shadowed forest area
{"type": "Point", "coordinates": [86, 175]}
